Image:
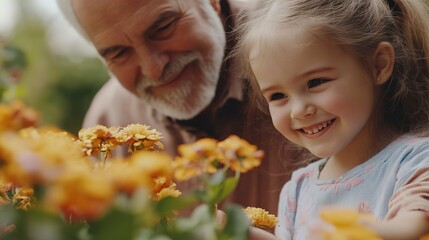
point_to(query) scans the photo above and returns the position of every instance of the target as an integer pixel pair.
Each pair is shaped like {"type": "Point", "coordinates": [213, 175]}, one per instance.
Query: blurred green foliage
{"type": "Point", "coordinates": [59, 87]}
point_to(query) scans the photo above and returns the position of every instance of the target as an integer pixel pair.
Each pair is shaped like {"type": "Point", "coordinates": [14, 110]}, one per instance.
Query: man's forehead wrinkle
{"type": "Point", "coordinates": [99, 14]}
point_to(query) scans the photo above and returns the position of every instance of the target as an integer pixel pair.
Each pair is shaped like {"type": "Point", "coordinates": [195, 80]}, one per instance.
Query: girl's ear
{"type": "Point", "coordinates": [384, 62]}
{"type": "Point", "coordinates": [216, 6]}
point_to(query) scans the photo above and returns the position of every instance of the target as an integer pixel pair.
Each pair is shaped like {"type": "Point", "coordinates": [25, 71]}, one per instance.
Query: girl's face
{"type": "Point", "coordinates": [319, 95]}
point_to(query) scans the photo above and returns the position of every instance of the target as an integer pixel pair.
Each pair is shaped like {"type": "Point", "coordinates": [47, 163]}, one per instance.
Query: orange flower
{"type": "Point", "coordinates": [260, 217]}
{"type": "Point", "coordinates": [153, 165]}
{"type": "Point", "coordinates": [140, 137]}
{"type": "Point", "coordinates": [164, 187]}
{"type": "Point", "coordinates": [80, 194]}
{"type": "Point", "coordinates": [195, 159]}
{"type": "Point", "coordinates": [240, 155]}
{"type": "Point", "coordinates": [38, 158]}
{"type": "Point", "coordinates": [98, 139]}
{"type": "Point", "coordinates": [124, 177]}
{"type": "Point", "coordinates": [24, 198]}
{"type": "Point", "coordinates": [16, 115]}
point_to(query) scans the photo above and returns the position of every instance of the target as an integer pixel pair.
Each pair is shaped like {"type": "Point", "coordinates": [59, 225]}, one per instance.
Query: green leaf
{"type": "Point", "coordinates": [37, 224]}
{"type": "Point", "coordinates": [236, 226]}
{"type": "Point", "coordinates": [200, 226]}
{"type": "Point", "coordinates": [170, 204]}
{"type": "Point", "coordinates": [12, 58]}
{"type": "Point", "coordinates": [116, 224]}
{"type": "Point", "coordinates": [221, 191]}
{"type": "Point", "coordinates": [218, 177]}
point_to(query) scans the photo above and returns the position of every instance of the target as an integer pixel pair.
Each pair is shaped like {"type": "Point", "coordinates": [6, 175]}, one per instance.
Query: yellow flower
{"type": "Point", "coordinates": [16, 115]}
{"type": "Point", "coordinates": [3, 201]}
{"type": "Point", "coordinates": [98, 139]}
{"type": "Point", "coordinates": [38, 158]}
{"type": "Point", "coordinates": [347, 225]}
{"type": "Point", "coordinates": [195, 159]}
{"type": "Point", "coordinates": [140, 137]}
{"type": "Point", "coordinates": [240, 155]}
{"type": "Point", "coordinates": [260, 217]}
{"type": "Point", "coordinates": [164, 187]}
{"type": "Point", "coordinates": [24, 198]}
{"type": "Point", "coordinates": [153, 165]}
{"type": "Point", "coordinates": [80, 194]}
{"type": "Point", "coordinates": [124, 177]}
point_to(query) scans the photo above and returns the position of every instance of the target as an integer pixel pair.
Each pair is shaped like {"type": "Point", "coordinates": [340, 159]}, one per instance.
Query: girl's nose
{"type": "Point", "coordinates": [302, 109]}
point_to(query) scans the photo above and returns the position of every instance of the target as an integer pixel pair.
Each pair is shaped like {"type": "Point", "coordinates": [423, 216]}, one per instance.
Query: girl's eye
{"type": "Point", "coordinates": [315, 82]}
{"type": "Point", "coordinates": [276, 96]}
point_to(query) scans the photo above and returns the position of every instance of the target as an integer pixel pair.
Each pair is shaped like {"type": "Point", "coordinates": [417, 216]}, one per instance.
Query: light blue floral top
{"type": "Point", "coordinates": [367, 188]}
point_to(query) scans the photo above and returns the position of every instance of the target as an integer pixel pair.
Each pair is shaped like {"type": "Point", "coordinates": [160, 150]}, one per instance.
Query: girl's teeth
{"type": "Point", "coordinates": [318, 128]}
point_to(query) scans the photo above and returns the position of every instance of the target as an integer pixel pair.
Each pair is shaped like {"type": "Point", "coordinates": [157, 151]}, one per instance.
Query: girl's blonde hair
{"type": "Point", "coordinates": [358, 26]}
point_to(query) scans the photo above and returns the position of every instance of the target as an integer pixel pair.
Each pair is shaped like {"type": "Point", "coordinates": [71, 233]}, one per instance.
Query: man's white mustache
{"type": "Point", "coordinates": [172, 70]}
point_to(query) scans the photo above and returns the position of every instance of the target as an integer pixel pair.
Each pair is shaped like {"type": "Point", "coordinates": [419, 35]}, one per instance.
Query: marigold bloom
{"type": "Point", "coordinates": [16, 115]}
{"type": "Point", "coordinates": [98, 139]}
{"type": "Point", "coordinates": [196, 158]}
{"type": "Point", "coordinates": [140, 137]}
{"type": "Point", "coordinates": [346, 223]}
{"type": "Point", "coordinates": [260, 217]}
{"type": "Point", "coordinates": [153, 165]}
{"type": "Point", "coordinates": [124, 176]}
{"type": "Point", "coordinates": [24, 198]}
{"type": "Point", "coordinates": [38, 159]}
{"type": "Point", "coordinates": [80, 194]}
{"type": "Point", "coordinates": [3, 201]}
{"type": "Point", "coordinates": [238, 154]}
{"type": "Point", "coordinates": [164, 187]}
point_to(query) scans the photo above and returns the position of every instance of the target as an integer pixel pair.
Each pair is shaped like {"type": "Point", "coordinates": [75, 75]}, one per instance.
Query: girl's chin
{"type": "Point", "coordinates": [320, 154]}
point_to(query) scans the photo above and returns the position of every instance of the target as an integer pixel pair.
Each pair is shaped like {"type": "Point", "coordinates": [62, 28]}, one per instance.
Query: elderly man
{"type": "Point", "coordinates": [168, 59]}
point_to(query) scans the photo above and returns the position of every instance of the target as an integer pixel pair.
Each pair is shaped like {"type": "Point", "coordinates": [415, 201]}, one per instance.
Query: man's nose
{"type": "Point", "coordinates": [302, 109]}
{"type": "Point", "coordinates": [151, 61]}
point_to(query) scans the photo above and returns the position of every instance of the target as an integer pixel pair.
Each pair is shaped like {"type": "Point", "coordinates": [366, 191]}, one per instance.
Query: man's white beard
{"type": "Point", "coordinates": [192, 95]}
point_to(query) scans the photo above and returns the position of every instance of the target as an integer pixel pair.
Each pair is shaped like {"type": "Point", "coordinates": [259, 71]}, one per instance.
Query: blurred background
{"type": "Point", "coordinates": [54, 70]}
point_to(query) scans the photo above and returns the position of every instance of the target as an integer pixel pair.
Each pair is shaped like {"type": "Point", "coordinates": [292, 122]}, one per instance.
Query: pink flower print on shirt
{"type": "Point", "coordinates": [305, 174]}
{"type": "Point", "coordinates": [369, 168]}
{"type": "Point", "coordinates": [291, 205]}
{"type": "Point", "coordinates": [328, 186]}
{"type": "Point", "coordinates": [352, 182]}
{"type": "Point", "coordinates": [338, 184]}
{"type": "Point", "coordinates": [335, 186]}
{"type": "Point", "coordinates": [363, 207]}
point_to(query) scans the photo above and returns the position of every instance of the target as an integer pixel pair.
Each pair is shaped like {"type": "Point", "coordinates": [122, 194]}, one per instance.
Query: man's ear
{"type": "Point", "coordinates": [216, 6]}
{"type": "Point", "coordinates": [384, 61]}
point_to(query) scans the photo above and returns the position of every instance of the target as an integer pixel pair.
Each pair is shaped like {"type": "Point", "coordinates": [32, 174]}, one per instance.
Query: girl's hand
{"type": "Point", "coordinates": [417, 225]}
{"type": "Point", "coordinates": [254, 232]}
{"type": "Point", "coordinates": [259, 234]}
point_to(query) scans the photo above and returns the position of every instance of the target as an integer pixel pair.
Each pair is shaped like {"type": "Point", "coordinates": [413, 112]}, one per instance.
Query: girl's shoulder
{"type": "Point", "coordinates": [411, 145]}
{"type": "Point", "coordinates": [410, 155]}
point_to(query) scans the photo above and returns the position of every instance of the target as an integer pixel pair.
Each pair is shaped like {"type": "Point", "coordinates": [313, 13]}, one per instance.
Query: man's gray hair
{"type": "Point", "coordinates": [67, 10]}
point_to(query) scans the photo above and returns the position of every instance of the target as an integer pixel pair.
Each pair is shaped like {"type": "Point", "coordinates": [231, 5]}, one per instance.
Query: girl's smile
{"type": "Point", "coordinates": [317, 130]}
{"type": "Point", "coordinates": [319, 95]}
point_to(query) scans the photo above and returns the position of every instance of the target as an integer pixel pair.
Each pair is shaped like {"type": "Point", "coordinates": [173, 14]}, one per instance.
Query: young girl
{"type": "Point", "coordinates": [349, 81]}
